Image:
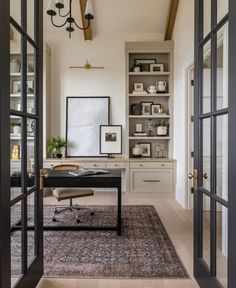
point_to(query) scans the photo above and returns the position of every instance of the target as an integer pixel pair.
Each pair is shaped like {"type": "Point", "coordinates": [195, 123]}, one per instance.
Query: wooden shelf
{"type": "Point", "coordinates": [149, 73]}
{"type": "Point", "coordinates": [149, 116]}
{"type": "Point", "coordinates": [150, 95]}
{"type": "Point", "coordinates": [19, 137]}
{"type": "Point", "coordinates": [149, 138]}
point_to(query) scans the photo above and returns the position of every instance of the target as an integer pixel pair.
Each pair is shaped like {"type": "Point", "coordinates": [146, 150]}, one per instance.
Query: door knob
{"type": "Point", "coordinates": [43, 174]}
{"type": "Point", "coordinates": [194, 176]}
{"type": "Point", "coordinates": [190, 176]}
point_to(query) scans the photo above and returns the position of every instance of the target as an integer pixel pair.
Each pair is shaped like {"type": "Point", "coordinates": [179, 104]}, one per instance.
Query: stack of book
{"type": "Point", "coordinates": [141, 93]}
{"type": "Point", "coordinates": [140, 134]}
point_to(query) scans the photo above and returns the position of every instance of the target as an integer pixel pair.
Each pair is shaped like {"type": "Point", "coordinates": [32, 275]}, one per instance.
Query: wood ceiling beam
{"type": "Point", "coordinates": [87, 32]}
{"type": "Point", "coordinates": [171, 19]}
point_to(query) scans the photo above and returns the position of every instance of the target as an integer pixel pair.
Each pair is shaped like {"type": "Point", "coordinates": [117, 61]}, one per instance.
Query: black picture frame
{"type": "Point", "coordinates": [120, 140]}
{"type": "Point", "coordinates": [150, 148]}
{"type": "Point", "coordinates": [92, 109]}
{"type": "Point", "coordinates": [146, 102]}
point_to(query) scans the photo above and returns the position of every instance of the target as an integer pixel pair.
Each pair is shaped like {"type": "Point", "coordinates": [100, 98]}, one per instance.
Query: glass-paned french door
{"type": "Point", "coordinates": [215, 142]}
{"type": "Point", "coordinates": [21, 228]}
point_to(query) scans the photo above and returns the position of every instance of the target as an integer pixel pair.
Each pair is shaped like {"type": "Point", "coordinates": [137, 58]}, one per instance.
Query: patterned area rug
{"type": "Point", "coordinates": [143, 251]}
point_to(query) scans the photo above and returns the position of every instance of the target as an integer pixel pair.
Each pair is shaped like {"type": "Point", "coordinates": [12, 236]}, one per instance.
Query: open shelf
{"type": "Point", "coordinates": [149, 73]}
{"type": "Point", "coordinates": [149, 95]}
{"type": "Point", "coordinates": [149, 138]}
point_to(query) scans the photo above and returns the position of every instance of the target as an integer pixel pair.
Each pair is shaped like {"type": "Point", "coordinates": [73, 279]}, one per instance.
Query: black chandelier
{"type": "Point", "coordinates": [54, 5]}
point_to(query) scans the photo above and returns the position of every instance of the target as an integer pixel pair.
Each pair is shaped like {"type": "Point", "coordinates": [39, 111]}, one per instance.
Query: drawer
{"type": "Point", "coordinates": [151, 165]}
{"type": "Point", "coordinates": [115, 165]}
{"type": "Point", "coordinates": [151, 180]}
{"type": "Point", "coordinates": [93, 165]}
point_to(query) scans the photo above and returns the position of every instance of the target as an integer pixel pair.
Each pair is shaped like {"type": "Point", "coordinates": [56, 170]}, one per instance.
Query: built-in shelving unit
{"type": "Point", "coordinates": [160, 53]}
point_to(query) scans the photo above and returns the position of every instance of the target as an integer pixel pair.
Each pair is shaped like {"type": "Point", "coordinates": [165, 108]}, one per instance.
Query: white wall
{"type": "Point", "coordinates": [183, 37]}
{"type": "Point", "coordinates": [106, 50]}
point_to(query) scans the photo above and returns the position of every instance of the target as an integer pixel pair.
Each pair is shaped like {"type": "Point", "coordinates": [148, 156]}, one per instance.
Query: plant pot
{"type": "Point", "coordinates": [162, 131]}
{"type": "Point", "coordinates": [59, 155]}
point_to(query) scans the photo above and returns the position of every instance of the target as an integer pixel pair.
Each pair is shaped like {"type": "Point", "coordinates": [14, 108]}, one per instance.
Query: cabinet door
{"type": "Point", "coordinates": [151, 180]}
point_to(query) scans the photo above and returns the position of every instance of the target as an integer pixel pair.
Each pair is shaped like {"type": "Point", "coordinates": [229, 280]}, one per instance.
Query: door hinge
{"type": "Point", "coordinates": [192, 82]}
{"type": "Point", "coordinates": [192, 118]}
{"type": "Point", "coordinates": [192, 190]}
{"type": "Point", "coordinates": [192, 154]}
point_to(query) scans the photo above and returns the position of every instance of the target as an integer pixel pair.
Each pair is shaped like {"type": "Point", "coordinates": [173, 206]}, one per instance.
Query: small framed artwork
{"type": "Point", "coordinates": [138, 87]}
{"type": "Point", "coordinates": [147, 149]}
{"type": "Point", "coordinates": [110, 139]}
{"type": "Point", "coordinates": [16, 86]}
{"type": "Point", "coordinates": [144, 61]}
{"type": "Point", "coordinates": [157, 67]}
{"type": "Point", "coordinates": [155, 109]}
{"type": "Point", "coordinates": [146, 108]}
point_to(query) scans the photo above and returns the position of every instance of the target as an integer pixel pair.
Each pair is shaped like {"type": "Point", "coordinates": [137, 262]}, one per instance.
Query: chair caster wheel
{"type": "Point", "coordinates": [78, 221]}
{"type": "Point", "coordinates": [54, 219]}
{"type": "Point", "coordinates": [92, 213]}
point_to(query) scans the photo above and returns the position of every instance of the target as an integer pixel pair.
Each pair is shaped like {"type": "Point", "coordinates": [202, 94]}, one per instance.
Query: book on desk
{"type": "Point", "coordinates": [85, 172]}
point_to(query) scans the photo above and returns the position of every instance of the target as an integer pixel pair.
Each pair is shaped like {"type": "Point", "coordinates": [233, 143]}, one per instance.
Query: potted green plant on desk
{"type": "Point", "coordinates": [55, 145]}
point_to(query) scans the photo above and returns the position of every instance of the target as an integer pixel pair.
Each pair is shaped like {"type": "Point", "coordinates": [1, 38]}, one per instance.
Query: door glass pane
{"type": "Point", "coordinates": [15, 10]}
{"type": "Point", "coordinates": [222, 9]}
{"type": "Point", "coordinates": [31, 151]}
{"type": "Point", "coordinates": [222, 67]}
{"type": "Point", "coordinates": [31, 226]}
{"type": "Point", "coordinates": [206, 17]}
{"type": "Point", "coordinates": [206, 153]}
{"type": "Point", "coordinates": [30, 18]}
{"type": "Point", "coordinates": [206, 81]}
{"type": "Point", "coordinates": [15, 155]}
{"type": "Point", "coordinates": [222, 244]}
{"type": "Point", "coordinates": [16, 243]}
{"type": "Point", "coordinates": [15, 69]}
{"type": "Point", "coordinates": [30, 79]}
{"type": "Point", "coordinates": [222, 156]}
{"type": "Point", "coordinates": [206, 228]}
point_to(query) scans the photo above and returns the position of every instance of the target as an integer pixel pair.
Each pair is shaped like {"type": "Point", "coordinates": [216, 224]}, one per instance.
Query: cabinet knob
{"type": "Point", "coordinates": [141, 165]}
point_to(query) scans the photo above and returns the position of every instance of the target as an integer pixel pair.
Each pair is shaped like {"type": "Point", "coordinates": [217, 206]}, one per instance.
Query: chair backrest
{"type": "Point", "coordinates": [66, 167]}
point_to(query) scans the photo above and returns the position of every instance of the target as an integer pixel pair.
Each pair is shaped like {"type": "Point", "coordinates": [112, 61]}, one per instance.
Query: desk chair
{"type": "Point", "coordinates": [70, 193]}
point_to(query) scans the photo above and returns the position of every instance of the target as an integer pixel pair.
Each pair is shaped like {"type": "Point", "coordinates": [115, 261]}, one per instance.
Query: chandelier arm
{"type": "Point", "coordinates": [58, 26]}
{"type": "Point", "coordinates": [63, 15]}
{"type": "Point", "coordinates": [82, 28]}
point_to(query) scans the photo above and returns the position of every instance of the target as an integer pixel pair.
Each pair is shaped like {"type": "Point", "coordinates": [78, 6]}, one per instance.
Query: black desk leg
{"type": "Point", "coordinates": [119, 210]}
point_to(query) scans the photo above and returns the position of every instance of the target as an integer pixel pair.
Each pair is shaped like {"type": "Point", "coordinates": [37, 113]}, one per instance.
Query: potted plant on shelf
{"type": "Point", "coordinates": [55, 145]}
{"type": "Point", "coordinates": [161, 128]}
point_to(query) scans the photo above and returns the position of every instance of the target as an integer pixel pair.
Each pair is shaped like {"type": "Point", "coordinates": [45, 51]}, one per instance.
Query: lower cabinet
{"type": "Point", "coordinates": [151, 180]}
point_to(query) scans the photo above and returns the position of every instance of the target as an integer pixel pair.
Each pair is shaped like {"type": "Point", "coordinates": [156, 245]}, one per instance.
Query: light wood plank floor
{"type": "Point", "coordinates": [178, 223]}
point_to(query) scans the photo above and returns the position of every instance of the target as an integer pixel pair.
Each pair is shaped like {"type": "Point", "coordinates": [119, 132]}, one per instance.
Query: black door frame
{"type": "Point", "coordinates": [32, 274]}
{"type": "Point", "coordinates": [204, 278]}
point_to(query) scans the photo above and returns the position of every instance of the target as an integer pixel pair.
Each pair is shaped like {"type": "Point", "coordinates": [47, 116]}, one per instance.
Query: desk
{"type": "Point", "coordinates": [64, 179]}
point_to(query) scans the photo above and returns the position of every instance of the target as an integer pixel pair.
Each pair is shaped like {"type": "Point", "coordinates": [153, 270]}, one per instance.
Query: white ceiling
{"type": "Point", "coordinates": [121, 16]}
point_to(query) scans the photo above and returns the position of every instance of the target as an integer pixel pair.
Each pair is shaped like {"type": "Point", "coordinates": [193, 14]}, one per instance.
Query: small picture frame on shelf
{"type": "Point", "coordinates": [156, 67]}
{"type": "Point", "coordinates": [146, 108]}
{"type": "Point", "coordinates": [147, 149]}
{"type": "Point", "coordinates": [155, 109]}
{"type": "Point", "coordinates": [16, 86]}
{"type": "Point", "coordinates": [138, 87]}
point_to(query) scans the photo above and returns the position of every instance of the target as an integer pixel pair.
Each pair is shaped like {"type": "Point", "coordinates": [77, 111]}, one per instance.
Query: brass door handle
{"type": "Point", "coordinates": [43, 174]}
{"type": "Point", "coordinates": [194, 176]}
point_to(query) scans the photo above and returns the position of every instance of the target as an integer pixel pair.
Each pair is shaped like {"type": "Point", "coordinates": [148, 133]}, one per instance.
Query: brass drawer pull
{"type": "Point", "coordinates": [152, 181]}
